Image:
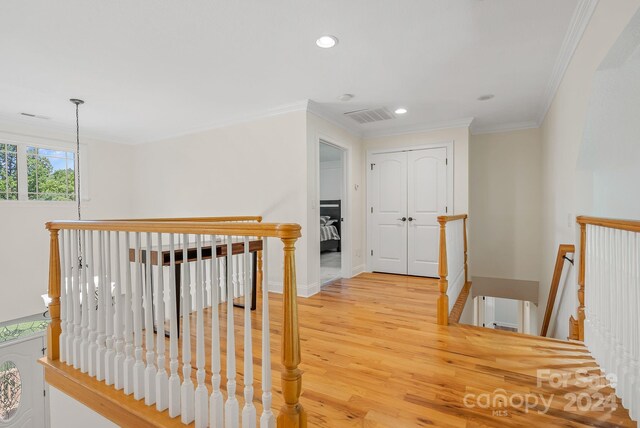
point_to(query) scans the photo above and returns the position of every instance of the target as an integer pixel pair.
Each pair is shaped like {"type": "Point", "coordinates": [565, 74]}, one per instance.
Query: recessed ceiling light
{"type": "Point", "coordinates": [485, 97]}
{"type": "Point", "coordinates": [401, 110]}
{"type": "Point", "coordinates": [327, 42]}
{"type": "Point", "coordinates": [346, 97]}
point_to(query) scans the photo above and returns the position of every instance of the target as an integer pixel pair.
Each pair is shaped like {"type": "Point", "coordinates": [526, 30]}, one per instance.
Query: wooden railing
{"type": "Point", "coordinates": [107, 338]}
{"type": "Point", "coordinates": [563, 250]}
{"type": "Point", "coordinates": [452, 264]}
{"type": "Point", "coordinates": [608, 301]}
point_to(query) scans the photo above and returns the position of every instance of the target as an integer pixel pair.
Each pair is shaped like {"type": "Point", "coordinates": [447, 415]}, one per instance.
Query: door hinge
{"type": "Point", "coordinates": [446, 161]}
{"type": "Point", "coordinates": [483, 325]}
{"type": "Point", "coordinates": [372, 166]}
{"type": "Point", "coordinates": [44, 351]}
{"type": "Point", "coordinates": [446, 209]}
{"type": "Point", "coordinates": [372, 252]}
{"type": "Point", "coordinates": [371, 210]}
{"type": "Point", "coordinates": [44, 392]}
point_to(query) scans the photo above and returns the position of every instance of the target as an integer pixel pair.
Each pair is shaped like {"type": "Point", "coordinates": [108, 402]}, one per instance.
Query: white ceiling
{"type": "Point", "coordinates": [150, 69]}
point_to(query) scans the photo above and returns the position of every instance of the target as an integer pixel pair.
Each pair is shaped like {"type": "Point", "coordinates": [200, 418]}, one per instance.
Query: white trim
{"type": "Point", "coordinates": [336, 119]}
{"type": "Point", "coordinates": [506, 127]}
{"type": "Point", "coordinates": [358, 270]}
{"type": "Point", "coordinates": [449, 145]}
{"type": "Point", "coordinates": [579, 21]}
{"type": "Point", "coordinates": [264, 114]}
{"type": "Point", "coordinates": [413, 129]}
{"type": "Point", "coordinates": [304, 290]}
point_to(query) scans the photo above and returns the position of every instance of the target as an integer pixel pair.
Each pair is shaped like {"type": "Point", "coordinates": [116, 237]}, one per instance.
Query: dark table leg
{"type": "Point", "coordinates": [254, 263]}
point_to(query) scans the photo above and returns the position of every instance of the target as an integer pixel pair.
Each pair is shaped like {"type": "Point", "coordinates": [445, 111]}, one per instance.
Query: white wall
{"type": "Point", "coordinates": [505, 195]}
{"type": "Point", "coordinates": [567, 192]}
{"type": "Point", "coordinates": [331, 180]}
{"type": "Point", "coordinates": [252, 168]}
{"type": "Point", "coordinates": [67, 412]}
{"type": "Point", "coordinates": [353, 205]}
{"type": "Point", "coordinates": [24, 249]}
{"type": "Point", "coordinates": [460, 138]}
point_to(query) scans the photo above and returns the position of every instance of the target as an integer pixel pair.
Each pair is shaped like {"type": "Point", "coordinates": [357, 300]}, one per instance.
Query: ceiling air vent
{"type": "Point", "coordinates": [370, 115]}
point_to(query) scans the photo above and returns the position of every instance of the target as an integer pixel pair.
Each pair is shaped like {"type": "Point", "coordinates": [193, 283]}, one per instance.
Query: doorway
{"type": "Point", "coordinates": [503, 314]}
{"type": "Point", "coordinates": [332, 211]}
{"type": "Point", "coordinates": [408, 190]}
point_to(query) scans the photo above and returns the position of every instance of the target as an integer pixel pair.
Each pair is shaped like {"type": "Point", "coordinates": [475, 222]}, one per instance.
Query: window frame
{"type": "Point", "coordinates": [22, 142]}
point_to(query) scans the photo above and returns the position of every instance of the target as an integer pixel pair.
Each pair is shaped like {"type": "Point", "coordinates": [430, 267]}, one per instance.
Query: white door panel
{"type": "Point", "coordinates": [19, 360]}
{"type": "Point", "coordinates": [427, 188]}
{"type": "Point", "coordinates": [389, 202]}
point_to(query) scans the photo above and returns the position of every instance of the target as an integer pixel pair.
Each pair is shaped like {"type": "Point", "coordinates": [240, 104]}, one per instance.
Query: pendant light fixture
{"type": "Point", "coordinates": [78, 102]}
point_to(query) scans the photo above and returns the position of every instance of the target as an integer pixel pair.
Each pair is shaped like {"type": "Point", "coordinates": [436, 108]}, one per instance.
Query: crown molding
{"type": "Point", "coordinates": [336, 119]}
{"type": "Point", "coordinates": [270, 112]}
{"type": "Point", "coordinates": [42, 128]}
{"type": "Point", "coordinates": [577, 26]}
{"type": "Point", "coordinates": [505, 127]}
{"type": "Point", "coordinates": [413, 129]}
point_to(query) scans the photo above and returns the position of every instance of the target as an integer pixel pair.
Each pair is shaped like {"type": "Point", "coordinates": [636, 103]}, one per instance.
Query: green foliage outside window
{"type": "Point", "coordinates": [50, 175]}
{"type": "Point", "coordinates": [8, 172]}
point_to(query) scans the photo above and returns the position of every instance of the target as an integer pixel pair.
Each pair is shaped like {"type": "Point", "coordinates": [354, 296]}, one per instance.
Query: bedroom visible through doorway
{"type": "Point", "coordinates": [331, 211]}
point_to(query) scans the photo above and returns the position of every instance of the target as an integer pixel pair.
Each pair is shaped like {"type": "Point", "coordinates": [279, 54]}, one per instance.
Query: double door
{"type": "Point", "coordinates": [407, 192]}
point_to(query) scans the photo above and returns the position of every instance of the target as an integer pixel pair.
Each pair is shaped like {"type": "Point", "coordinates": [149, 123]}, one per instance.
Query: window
{"type": "Point", "coordinates": [31, 171]}
{"type": "Point", "coordinates": [8, 171]}
{"type": "Point", "coordinates": [50, 174]}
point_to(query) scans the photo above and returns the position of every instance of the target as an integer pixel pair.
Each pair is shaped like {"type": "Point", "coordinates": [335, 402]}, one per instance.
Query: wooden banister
{"type": "Point", "coordinates": [257, 218]}
{"type": "Point", "coordinates": [563, 250]}
{"type": "Point", "coordinates": [291, 414]}
{"type": "Point", "coordinates": [54, 330]}
{"type": "Point", "coordinates": [275, 230]}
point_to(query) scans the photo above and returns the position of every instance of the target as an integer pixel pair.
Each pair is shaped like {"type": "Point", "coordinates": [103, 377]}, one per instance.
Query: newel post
{"type": "Point", "coordinates": [54, 330]}
{"type": "Point", "coordinates": [443, 284]}
{"type": "Point", "coordinates": [581, 316]}
{"type": "Point", "coordinates": [291, 414]}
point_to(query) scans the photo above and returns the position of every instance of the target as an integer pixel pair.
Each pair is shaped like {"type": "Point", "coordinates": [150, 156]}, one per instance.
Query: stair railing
{"type": "Point", "coordinates": [453, 268]}
{"type": "Point", "coordinates": [114, 284]}
{"type": "Point", "coordinates": [563, 250]}
{"type": "Point", "coordinates": [608, 299]}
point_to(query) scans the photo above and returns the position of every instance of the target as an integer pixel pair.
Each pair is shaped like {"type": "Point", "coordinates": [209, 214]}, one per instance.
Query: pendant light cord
{"type": "Point", "coordinates": [78, 182]}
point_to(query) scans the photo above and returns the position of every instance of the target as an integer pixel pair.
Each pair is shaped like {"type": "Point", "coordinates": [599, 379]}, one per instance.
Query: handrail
{"type": "Point", "coordinates": [443, 284]}
{"type": "Point", "coordinates": [629, 225]}
{"type": "Point", "coordinates": [563, 250]}
{"type": "Point", "coordinates": [277, 230]}
{"type": "Point", "coordinates": [257, 218]}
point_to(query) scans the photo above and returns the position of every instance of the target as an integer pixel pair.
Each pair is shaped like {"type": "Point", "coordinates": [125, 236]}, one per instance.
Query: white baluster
{"type": "Point", "coordinates": [267, 420]}
{"type": "Point", "coordinates": [91, 301]}
{"type": "Point", "coordinates": [118, 324]}
{"type": "Point", "coordinates": [634, 410]}
{"type": "Point", "coordinates": [110, 354]}
{"type": "Point", "coordinates": [70, 298]}
{"type": "Point", "coordinates": [162, 379]}
{"type": "Point", "coordinates": [249, 410]}
{"type": "Point", "coordinates": [222, 268]}
{"type": "Point", "coordinates": [63, 300]}
{"type": "Point", "coordinates": [102, 337]}
{"type": "Point", "coordinates": [202, 395]}
{"type": "Point", "coordinates": [231, 408]}
{"type": "Point", "coordinates": [174, 380]}
{"type": "Point", "coordinates": [77, 292]}
{"type": "Point", "coordinates": [84, 344]}
{"type": "Point", "coordinates": [216, 419]}
{"type": "Point", "coordinates": [129, 360]}
{"type": "Point", "coordinates": [150, 372]}
{"type": "Point", "coordinates": [138, 367]}
{"type": "Point", "coordinates": [188, 393]}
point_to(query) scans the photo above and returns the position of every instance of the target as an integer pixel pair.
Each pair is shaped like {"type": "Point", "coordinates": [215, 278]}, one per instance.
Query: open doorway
{"type": "Point", "coordinates": [332, 169]}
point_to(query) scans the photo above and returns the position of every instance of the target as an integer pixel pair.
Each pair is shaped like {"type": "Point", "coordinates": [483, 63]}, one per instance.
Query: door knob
{"type": "Point", "coordinates": [403, 219]}
{"type": "Point", "coordinates": [410, 218]}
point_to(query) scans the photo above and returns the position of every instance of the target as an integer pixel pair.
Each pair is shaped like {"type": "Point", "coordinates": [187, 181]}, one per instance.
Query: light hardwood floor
{"type": "Point", "coordinates": [373, 356]}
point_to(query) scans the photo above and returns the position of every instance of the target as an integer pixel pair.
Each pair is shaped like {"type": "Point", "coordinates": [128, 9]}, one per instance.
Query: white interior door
{"type": "Point", "coordinates": [388, 200]}
{"type": "Point", "coordinates": [24, 401]}
{"type": "Point", "coordinates": [427, 199]}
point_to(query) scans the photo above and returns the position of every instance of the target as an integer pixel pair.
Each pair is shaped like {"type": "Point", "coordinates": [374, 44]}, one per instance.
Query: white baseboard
{"type": "Point", "coordinates": [358, 270]}
{"type": "Point", "coordinates": [303, 289]}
